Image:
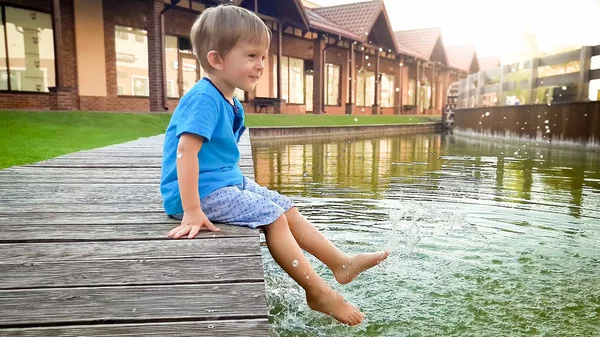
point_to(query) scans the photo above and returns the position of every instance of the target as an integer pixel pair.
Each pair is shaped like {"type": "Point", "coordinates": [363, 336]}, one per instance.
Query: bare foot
{"type": "Point", "coordinates": [333, 304]}
{"type": "Point", "coordinates": [356, 264]}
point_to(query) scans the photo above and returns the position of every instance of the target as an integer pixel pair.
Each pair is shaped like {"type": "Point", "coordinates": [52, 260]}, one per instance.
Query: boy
{"type": "Point", "coordinates": [202, 182]}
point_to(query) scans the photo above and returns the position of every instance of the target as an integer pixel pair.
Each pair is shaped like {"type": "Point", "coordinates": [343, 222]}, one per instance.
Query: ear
{"type": "Point", "coordinates": [215, 60]}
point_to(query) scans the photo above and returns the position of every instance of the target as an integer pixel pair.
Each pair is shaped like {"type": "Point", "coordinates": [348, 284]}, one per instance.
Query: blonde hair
{"type": "Point", "coordinates": [221, 28]}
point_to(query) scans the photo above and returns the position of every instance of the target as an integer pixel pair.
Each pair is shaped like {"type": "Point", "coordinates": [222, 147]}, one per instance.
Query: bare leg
{"type": "Point", "coordinates": [345, 268]}
{"type": "Point", "coordinates": [319, 295]}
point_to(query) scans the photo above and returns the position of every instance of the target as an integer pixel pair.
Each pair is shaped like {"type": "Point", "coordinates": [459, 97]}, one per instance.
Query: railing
{"type": "Point", "coordinates": [520, 83]}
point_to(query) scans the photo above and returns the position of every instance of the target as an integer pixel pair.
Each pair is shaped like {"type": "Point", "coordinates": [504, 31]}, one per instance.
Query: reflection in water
{"type": "Point", "coordinates": [486, 238]}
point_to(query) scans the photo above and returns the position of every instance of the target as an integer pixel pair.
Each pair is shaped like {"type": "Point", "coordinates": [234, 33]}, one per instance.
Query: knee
{"type": "Point", "coordinates": [279, 224]}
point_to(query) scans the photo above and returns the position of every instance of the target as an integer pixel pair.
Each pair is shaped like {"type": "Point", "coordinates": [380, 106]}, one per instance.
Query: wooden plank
{"type": "Point", "coordinates": [556, 80]}
{"type": "Point", "coordinates": [124, 218]}
{"type": "Point", "coordinates": [28, 253]}
{"type": "Point", "coordinates": [35, 174]}
{"type": "Point", "coordinates": [23, 206]}
{"type": "Point", "coordinates": [131, 272]}
{"type": "Point", "coordinates": [13, 231]}
{"type": "Point", "coordinates": [229, 328]}
{"type": "Point", "coordinates": [125, 304]}
{"type": "Point", "coordinates": [561, 58]}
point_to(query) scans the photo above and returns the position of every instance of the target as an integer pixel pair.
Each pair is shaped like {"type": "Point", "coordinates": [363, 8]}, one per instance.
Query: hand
{"type": "Point", "coordinates": [191, 224]}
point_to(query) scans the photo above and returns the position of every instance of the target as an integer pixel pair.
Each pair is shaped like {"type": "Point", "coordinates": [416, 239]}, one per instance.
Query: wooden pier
{"type": "Point", "coordinates": [84, 251]}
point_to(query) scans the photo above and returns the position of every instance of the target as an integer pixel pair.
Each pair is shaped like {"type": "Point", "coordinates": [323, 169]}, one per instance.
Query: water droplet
{"type": "Point", "coordinates": [505, 117]}
{"type": "Point", "coordinates": [217, 276]}
{"type": "Point", "coordinates": [295, 263]}
{"type": "Point", "coordinates": [305, 174]}
{"type": "Point", "coordinates": [134, 309]}
{"type": "Point", "coordinates": [210, 326]}
{"type": "Point", "coordinates": [546, 121]}
{"type": "Point", "coordinates": [344, 266]}
{"type": "Point", "coordinates": [356, 119]}
{"type": "Point", "coordinates": [542, 156]}
{"type": "Point", "coordinates": [479, 123]}
{"type": "Point", "coordinates": [487, 113]}
{"type": "Point", "coordinates": [307, 277]}
{"type": "Point", "coordinates": [216, 288]}
{"type": "Point", "coordinates": [564, 87]}
{"type": "Point", "coordinates": [585, 115]}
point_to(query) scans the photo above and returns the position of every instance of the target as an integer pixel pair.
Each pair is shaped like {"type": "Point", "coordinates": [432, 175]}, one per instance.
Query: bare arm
{"type": "Point", "coordinates": [187, 175]}
{"type": "Point", "coordinates": [187, 170]}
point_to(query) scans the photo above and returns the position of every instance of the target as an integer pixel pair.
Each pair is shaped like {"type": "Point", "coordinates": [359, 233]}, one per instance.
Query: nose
{"type": "Point", "coordinates": [261, 65]}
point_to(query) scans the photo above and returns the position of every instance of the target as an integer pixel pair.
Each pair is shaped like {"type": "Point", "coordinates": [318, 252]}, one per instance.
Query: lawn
{"type": "Point", "coordinates": [28, 137]}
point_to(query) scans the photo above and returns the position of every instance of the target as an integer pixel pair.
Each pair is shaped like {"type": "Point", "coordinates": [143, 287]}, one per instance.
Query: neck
{"type": "Point", "coordinates": [226, 88]}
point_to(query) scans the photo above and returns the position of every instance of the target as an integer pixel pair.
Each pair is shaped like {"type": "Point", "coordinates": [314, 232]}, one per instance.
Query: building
{"type": "Point", "coordinates": [134, 55]}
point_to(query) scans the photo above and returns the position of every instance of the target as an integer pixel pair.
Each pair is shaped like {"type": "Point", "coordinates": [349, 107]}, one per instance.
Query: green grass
{"type": "Point", "coordinates": [28, 137]}
{"type": "Point", "coordinates": [326, 120]}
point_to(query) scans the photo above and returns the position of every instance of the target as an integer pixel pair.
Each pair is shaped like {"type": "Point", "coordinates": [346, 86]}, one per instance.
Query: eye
{"type": "Point", "coordinates": [263, 58]}
{"type": "Point", "coordinates": [252, 56]}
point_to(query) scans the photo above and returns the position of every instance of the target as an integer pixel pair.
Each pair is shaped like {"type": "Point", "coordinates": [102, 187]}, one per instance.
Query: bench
{"type": "Point", "coordinates": [266, 102]}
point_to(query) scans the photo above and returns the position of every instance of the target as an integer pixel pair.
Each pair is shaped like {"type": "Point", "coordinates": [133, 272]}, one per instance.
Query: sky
{"type": "Point", "coordinates": [497, 28]}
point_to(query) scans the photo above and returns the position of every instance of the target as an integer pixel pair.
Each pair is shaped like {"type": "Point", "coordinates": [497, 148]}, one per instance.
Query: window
{"type": "Point", "coordinates": [172, 65]}
{"type": "Point", "coordinates": [365, 88]}
{"type": "Point", "coordinates": [411, 92]}
{"type": "Point", "coordinates": [425, 96]}
{"type": "Point", "coordinates": [332, 84]}
{"type": "Point", "coordinates": [387, 90]}
{"type": "Point", "coordinates": [239, 94]}
{"type": "Point", "coordinates": [132, 61]}
{"type": "Point", "coordinates": [30, 62]}
{"type": "Point", "coordinates": [292, 79]}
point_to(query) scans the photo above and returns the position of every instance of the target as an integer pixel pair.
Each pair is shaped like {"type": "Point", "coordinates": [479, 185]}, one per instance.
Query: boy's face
{"type": "Point", "coordinates": [244, 65]}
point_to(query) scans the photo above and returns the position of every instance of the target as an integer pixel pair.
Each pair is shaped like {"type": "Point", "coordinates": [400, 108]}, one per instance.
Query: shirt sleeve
{"type": "Point", "coordinates": [199, 116]}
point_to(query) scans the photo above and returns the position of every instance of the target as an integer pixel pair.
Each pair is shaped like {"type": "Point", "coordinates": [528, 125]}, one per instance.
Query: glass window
{"type": "Point", "coordinates": [292, 79]}
{"type": "Point", "coordinates": [365, 88]}
{"type": "Point", "coordinates": [239, 94]}
{"type": "Point", "coordinates": [332, 84]}
{"type": "Point", "coordinates": [434, 97]}
{"type": "Point", "coordinates": [171, 64]}
{"type": "Point", "coordinates": [387, 90]}
{"type": "Point", "coordinates": [285, 85]}
{"type": "Point", "coordinates": [132, 61]}
{"type": "Point", "coordinates": [425, 96]}
{"type": "Point", "coordinates": [360, 89]}
{"type": "Point", "coordinates": [30, 51]}
{"type": "Point", "coordinates": [411, 92]}
{"type": "Point", "coordinates": [296, 78]}
{"type": "Point", "coordinates": [3, 65]}
{"type": "Point", "coordinates": [369, 88]}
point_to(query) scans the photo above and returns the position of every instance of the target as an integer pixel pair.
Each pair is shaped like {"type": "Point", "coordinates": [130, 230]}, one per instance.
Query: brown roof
{"type": "Point", "coordinates": [322, 23]}
{"type": "Point", "coordinates": [421, 41]}
{"type": "Point", "coordinates": [487, 63]}
{"type": "Point", "coordinates": [461, 57]}
{"type": "Point", "coordinates": [356, 17]}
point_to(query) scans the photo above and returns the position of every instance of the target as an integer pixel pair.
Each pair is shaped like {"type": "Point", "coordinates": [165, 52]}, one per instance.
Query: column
{"type": "Point", "coordinates": [398, 79]}
{"type": "Point", "coordinates": [533, 75]}
{"type": "Point", "coordinates": [375, 110]}
{"type": "Point", "coordinates": [156, 69]}
{"type": "Point", "coordinates": [583, 82]}
{"type": "Point", "coordinates": [351, 79]}
{"type": "Point", "coordinates": [318, 75]}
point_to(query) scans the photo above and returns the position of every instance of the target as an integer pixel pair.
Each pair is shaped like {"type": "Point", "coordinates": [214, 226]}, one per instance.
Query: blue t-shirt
{"type": "Point", "coordinates": [203, 111]}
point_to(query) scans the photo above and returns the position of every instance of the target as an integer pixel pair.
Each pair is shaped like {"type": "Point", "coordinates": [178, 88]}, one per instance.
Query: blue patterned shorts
{"type": "Point", "coordinates": [246, 204]}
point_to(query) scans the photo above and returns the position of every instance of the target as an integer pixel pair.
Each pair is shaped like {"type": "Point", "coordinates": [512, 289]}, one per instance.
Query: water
{"type": "Point", "coordinates": [486, 238]}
